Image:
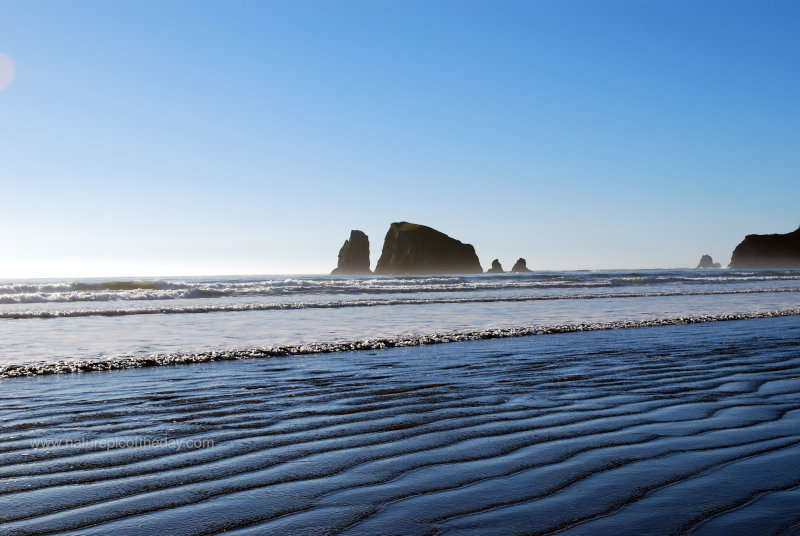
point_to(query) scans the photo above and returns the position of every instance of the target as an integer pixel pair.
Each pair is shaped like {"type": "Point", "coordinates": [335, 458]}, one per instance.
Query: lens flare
{"type": "Point", "coordinates": [6, 71]}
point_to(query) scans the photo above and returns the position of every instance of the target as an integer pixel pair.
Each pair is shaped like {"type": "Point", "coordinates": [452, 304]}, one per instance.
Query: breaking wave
{"type": "Point", "coordinates": [338, 304]}
{"type": "Point", "coordinates": [127, 362]}
{"type": "Point", "coordinates": [126, 290]}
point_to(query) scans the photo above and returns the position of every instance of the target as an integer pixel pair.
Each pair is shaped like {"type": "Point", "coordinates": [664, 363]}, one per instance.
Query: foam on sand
{"type": "Point", "coordinates": [127, 362]}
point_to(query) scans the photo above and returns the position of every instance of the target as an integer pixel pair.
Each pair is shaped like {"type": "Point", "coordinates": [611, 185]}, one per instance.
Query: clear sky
{"type": "Point", "coordinates": [229, 137]}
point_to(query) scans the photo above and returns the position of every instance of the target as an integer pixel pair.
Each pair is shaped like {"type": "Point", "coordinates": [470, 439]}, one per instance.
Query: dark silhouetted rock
{"type": "Point", "coordinates": [416, 249]}
{"type": "Point", "coordinates": [707, 262]}
{"type": "Point", "coordinates": [496, 268]}
{"type": "Point", "coordinates": [354, 256]}
{"type": "Point", "coordinates": [520, 266]}
{"type": "Point", "coordinates": [768, 251]}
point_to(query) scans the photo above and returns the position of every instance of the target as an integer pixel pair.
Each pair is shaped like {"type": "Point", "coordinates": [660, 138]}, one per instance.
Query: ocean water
{"type": "Point", "coordinates": [66, 325]}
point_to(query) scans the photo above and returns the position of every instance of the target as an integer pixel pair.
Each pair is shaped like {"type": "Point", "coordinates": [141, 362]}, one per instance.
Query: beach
{"type": "Point", "coordinates": [669, 429]}
{"type": "Point", "coordinates": [660, 402]}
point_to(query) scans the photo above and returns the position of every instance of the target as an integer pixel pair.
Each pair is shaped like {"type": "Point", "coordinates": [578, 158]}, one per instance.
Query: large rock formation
{"type": "Point", "coordinates": [707, 262]}
{"type": "Point", "coordinates": [416, 249]}
{"type": "Point", "coordinates": [768, 251]}
{"type": "Point", "coordinates": [354, 256]}
{"type": "Point", "coordinates": [520, 266]}
{"type": "Point", "coordinates": [496, 268]}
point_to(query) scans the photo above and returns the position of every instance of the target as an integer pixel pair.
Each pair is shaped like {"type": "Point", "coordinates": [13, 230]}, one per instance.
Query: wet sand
{"type": "Point", "coordinates": [654, 430]}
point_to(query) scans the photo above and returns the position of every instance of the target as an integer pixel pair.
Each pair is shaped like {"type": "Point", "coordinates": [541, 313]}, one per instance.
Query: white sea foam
{"type": "Point", "coordinates": [337, 304]}
{"type": "Point", "coordinates": [148, 290]}
{"type": "Point", "coordinates": [100, 319]}
{"type": "Point", "coordinates": [126, 362]}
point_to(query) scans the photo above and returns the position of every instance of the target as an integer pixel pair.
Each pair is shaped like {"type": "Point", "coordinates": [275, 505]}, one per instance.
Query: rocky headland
{"type": "Point", "coordinates": [768, 251]}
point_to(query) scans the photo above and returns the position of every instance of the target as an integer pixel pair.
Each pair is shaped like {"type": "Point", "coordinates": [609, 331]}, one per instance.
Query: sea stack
{"type": "Point", "coordinates": [496, 268]}
{"type": "Point", "coordinates": [707, 262]}
{"type": "Point", "coordinates": [411, 249]}
{"type": "Point", "coordinates": [520, 266]}
{"type": "Point", "coordinates": [354, 255]}
{"type": "Point", "coordinates": [768, 251]}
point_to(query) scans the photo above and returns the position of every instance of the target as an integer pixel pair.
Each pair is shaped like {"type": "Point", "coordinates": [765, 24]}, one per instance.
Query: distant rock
{"type": "Point", "coordinates": [354, 255]}
{"type": "Point", "coordinates": [768, 251]}
{"type": "Point", "coordinates": [496, 268]}
{"type": "Point", "coordinates": [410, 248]}
{"type": "Point", "coordinates": [707, 262]}
{"type": "Point", "coordinates": [520, 266]}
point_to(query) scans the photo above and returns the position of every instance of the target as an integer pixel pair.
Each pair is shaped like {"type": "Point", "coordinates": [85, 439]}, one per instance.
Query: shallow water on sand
{"type": "Point", "coordinates": [685, 428]}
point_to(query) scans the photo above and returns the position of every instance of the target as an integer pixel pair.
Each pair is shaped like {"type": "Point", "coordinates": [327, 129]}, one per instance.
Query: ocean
{"type": "Point", "coordinates": [579, 403]}
{"type": "Point", "coordinates": [65, 325]}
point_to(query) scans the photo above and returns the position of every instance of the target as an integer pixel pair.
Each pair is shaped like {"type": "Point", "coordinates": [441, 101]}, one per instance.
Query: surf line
{"type": "Point", "coordinates": [245, 307]}
{"type": "Point", "coordinates": [128, 362]}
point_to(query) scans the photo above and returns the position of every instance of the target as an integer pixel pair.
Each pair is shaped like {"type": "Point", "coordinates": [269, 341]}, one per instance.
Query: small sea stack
{"type": "Point", "coordinates": [413, 249]}
{"type": "Point", "coordinates": [768, 251]}
{"type": "Point", "coordinates": [496, 268]}
{"type": "Point", "coordinates": [707, 262]}
{"type": "Point", "coordinates": [521, 266]}
{"type": "Point", "coordinates": [354, 255]}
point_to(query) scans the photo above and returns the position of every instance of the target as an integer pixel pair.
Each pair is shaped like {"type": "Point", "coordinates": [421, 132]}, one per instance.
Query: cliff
{"type": "Point", "coordinates": [768, 251]}
{"type": "Point", "coordinates": [354, 256]}
{"type": "Point", "coordinates": [410, 249]}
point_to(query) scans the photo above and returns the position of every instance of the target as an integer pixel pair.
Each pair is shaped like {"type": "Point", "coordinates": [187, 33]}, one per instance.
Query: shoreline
{"type": "Point", "coordinates": [684, 428]}
{"type": "Point", "coordinates": [132, 362]}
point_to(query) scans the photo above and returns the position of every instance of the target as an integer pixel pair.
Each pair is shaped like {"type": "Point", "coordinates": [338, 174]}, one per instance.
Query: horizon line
{"type": "Point", "coordinates": [319, 274]}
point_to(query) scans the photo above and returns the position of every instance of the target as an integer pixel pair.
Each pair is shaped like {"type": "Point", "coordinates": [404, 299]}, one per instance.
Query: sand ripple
{"type": "Point", "coordinates": [668, 429]}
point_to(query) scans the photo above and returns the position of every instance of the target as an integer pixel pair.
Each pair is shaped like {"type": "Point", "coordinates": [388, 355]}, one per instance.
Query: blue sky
{"type": "Point", "coordinates": [182, 138]}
